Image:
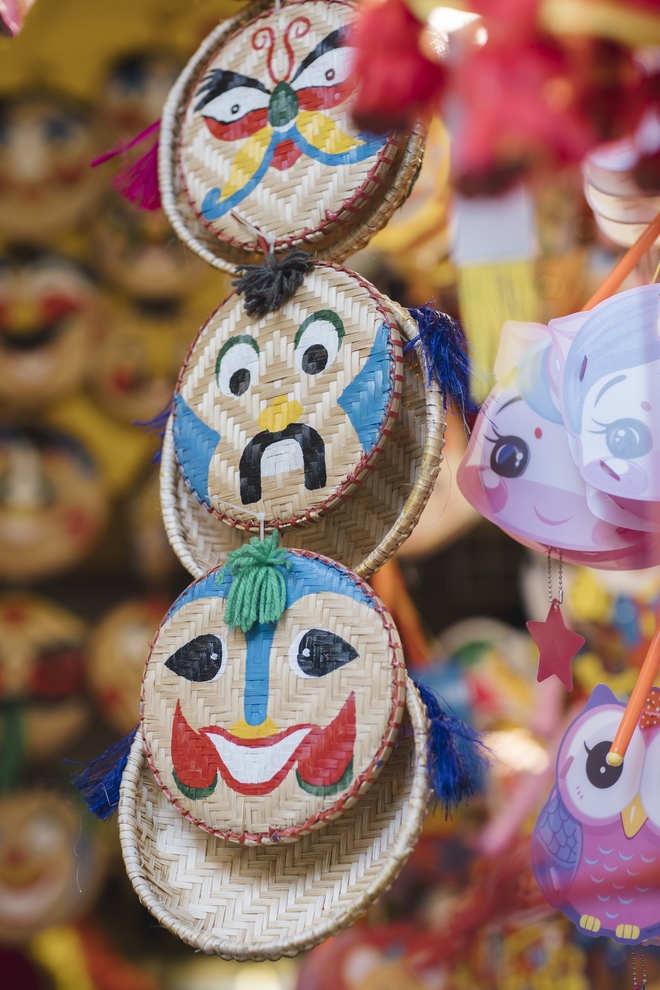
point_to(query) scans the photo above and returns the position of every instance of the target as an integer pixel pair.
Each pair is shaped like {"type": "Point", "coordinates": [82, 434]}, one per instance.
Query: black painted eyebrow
{"type": "Point", "coordinates": [220, 81]}
{"type": "Point", "coordinates": [334, 40]}
{"type": "Point", "coordinates": [518, 398]}
{"type": "Point", "coordinates": [615, 381]}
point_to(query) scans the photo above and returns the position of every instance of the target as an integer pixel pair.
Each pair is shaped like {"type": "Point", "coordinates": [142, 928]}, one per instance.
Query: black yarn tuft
{"type": "Point", "coordinates": [267, 287]}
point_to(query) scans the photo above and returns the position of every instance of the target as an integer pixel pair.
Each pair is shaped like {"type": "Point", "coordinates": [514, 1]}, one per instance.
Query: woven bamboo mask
{"type": "Point", "coordinates": [284, 415]}
{"type": "Point", "coordinates": [266, 133]}
{"type": "Point", "coordinates": [262, 736]}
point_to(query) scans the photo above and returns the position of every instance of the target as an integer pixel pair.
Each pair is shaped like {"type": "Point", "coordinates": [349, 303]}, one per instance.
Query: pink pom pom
{"type": "Point", "coordinates": [138, 181]}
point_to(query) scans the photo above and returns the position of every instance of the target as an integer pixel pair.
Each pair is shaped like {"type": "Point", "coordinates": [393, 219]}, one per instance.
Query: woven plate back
{"type": "Point", "coordinates": [256, 138]}
{"type": "Point", "coordinates": [366, 529]}
{"type": "Point", "coordinates": [280, 418]}
{"type": "Point", "coordinates": [262, 736]}
{"type": "Point", "coordinates": [262, 902]}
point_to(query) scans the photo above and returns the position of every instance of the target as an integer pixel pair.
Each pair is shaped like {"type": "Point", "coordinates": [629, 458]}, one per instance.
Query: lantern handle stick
{"type": "Point", "coordinates": [621, 271]}
{"type": "Point", "coordinates": [635, 706]}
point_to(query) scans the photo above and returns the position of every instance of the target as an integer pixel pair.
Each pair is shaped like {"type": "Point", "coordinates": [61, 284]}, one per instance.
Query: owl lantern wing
{"type": "Point", "coordinates": [556, 849]}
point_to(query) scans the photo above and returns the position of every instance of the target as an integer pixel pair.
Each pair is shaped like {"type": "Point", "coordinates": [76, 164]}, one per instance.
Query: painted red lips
{"type": "Point", "coordinates": [258, 766]}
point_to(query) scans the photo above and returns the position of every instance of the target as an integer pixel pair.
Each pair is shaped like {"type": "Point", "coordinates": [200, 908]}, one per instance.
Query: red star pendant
{"type": "Point", "coordinates": [557, 646]}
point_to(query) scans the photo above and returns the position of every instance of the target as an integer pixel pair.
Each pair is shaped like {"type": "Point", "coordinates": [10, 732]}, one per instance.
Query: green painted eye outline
{"type": "Point", "coordinates": [321, 316]}
{"type": "Point", "coordinates": [250, 367]}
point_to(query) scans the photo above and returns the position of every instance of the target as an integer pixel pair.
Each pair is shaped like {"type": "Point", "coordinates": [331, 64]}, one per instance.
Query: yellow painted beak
{"type": "Point", "coordinates": [279, 414]}
{"type": "Point", "coordinates": [633, 817]}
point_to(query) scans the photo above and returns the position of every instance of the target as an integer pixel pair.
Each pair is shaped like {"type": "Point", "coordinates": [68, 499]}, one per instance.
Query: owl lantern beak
{"type": "Point", "coordinates": [633, 817]}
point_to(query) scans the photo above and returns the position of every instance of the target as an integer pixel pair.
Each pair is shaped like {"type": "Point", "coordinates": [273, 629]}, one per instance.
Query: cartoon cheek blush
{"type": "Point", "coordinates": [279, 418]}
{"type": "Point", "coordinates": [265, 146]}
{"type": "Point", "coordinates": [518, 470]}
{"type": "Point", "coordinates": [596, 843]}
{"type": "Point", "coordinates": [610, 371]}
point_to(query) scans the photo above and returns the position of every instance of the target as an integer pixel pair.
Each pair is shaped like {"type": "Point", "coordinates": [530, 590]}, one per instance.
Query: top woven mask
{"type": "Point", "coordinates": [267, 133]}
{"type": "Point", "coordinates": [280, 417]}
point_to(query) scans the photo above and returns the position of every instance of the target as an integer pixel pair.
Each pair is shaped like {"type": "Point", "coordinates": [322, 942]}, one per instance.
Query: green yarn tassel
{"type": "Point", "coordinates": [258, 590]}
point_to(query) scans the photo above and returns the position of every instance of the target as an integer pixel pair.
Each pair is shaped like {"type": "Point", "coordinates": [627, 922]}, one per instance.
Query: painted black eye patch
{"type": "Point", "coordinates": [199, 660]}
{"type": "Point", "coordinates": [320, 652]}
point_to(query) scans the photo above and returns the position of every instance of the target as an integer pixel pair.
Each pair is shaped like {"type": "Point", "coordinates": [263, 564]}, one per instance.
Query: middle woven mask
{"type": "Point", "coordinates": [266, 735]}
{"type": "Point", "coordinates": [280, 418]}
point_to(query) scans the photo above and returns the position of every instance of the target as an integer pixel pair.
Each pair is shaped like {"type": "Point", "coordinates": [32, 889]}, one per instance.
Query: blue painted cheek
{"type": "Point", "coordinates": [365, 400]}
{"type": "Point", "coordinates": [257, 672]}
{"type": "Point", "coordinates": [195, 445]}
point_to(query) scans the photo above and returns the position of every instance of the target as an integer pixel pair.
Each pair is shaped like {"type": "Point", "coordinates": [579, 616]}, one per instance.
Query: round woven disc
{"type": "Point", "coordinates": [257, 139]}
{"type": "Point", "coordinates": [262, 902]}
{"type": "Point", "coordinates": [260, 737]}
{"type": "Point", "coordinates": [283, 416]}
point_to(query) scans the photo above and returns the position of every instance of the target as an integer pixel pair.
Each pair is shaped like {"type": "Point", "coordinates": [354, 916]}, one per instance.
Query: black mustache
{"type": "Point", "coordinates": [313, 452]}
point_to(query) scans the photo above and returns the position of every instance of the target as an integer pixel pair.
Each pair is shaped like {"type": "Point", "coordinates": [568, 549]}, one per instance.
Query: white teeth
{"type": "Point", "coordinates": [256, 764]}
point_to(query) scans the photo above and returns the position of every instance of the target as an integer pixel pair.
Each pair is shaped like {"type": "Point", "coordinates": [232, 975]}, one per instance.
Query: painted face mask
{"type": "Point", "coordinates": [136, 89]}
{"type": "Point", "coordinates": [46, 184]}
{"type": "Point", "coordinates": [264, 735]}
{"type": "Point", "coordinates": [609, 362]}
{"type": "Point", "coordinates": [266, 134]}
{"type": "Point", "coordinates": [53, 503]}
{"type": "Point", "coordinates": [518, 470]}
{"type": "Point", "coordinates": [596, 843]}
{"type": "Point", "coordinates": [285, 414]}
{"type": "Point", "coordinates": [49, 324]}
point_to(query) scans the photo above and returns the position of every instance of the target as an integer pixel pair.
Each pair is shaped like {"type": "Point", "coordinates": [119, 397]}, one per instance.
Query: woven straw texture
{"type": "Point", "coordinates": [263, 902]}
{"type": "Point", "coordinates": [284, 416]}
{"type": "Point", "coordinates": [275, 154]}
{"type": "Point", "coordinates": [366, 529]}
{"type": "Point", "coordinates": [294, 724]}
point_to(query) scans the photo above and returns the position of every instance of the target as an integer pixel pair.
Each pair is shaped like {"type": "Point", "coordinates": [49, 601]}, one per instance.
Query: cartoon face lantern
{"type": "Point", "coordinates": [609, 361]}
{"type": "Point", "coordinates": [49, 323]}
{"type": "Point", "coordinates": [46, 184]}
{"type": "Point", "coordinates": [283, 415]}
{"type": "Point", "coordinates": [596, 843]}
{"type": "Point", "coordinates": [261, 735]}
{"type": "Point", "coordinates": [518, 470]}
{"type": "Point", "coordinates": [267, 134]}
{"type": "Point", "coordinates": [53, 503]}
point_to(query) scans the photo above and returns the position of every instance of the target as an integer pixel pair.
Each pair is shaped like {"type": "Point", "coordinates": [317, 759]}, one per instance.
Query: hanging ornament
{"type": "Point", "coordinates": [557, 644]}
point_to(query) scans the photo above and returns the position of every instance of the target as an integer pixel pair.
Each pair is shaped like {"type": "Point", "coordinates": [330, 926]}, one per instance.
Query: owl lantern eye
{"type": "Point", "coordinates": [317, 652]}
{"type": "Point", "coordinates": [202, 659]}
{"type": "Point", "coordinates": [593, 788]}
{"type": "Point", "coordinates": [648, 788]}
{"type": "Point", "coordinates": [237, 365]}
{"type": "Point", "coordinates": [317, 342]}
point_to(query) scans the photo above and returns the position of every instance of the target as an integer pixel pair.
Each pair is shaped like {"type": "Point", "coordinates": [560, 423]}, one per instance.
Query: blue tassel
{"type": "Point", "coordinates": [456, 755]}
{"type": "Point", "coordinates": [446, 351]}
{"type": "Point", "coordinates": [156, 427]}
{"type": "Point", "coordinates": [99, 782]}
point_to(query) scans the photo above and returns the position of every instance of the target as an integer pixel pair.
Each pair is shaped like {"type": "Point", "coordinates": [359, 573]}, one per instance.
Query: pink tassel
{"type": "Point", "coordinates": [137, 181]}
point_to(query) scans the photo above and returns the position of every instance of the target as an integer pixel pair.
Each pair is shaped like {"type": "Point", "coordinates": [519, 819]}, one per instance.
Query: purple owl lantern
{"type": "Point", "coordinates": [596, 842]}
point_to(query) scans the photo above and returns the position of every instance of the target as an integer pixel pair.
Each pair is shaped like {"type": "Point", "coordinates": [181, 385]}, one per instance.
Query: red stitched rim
{"type": "Point", "coordinates": [343, 490]}
{"type": "Point", "coordinates": [348, 797]}
{"type": "Point", "coordinates": [344, 216]}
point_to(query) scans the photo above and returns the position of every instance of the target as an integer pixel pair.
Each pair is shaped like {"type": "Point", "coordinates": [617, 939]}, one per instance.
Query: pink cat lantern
{"type": "Point", "coordinates": [596, 843]}
{"type": "Point", "coordinates": [518, 471]}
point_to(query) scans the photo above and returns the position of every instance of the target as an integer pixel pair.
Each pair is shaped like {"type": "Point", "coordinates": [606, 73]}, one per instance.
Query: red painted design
{"type": "Point", "coordinates": [324, 97]}
{"type": "Point", "coordinates": [243, 128]}
{"type": "Point", "coordinates": [302, 26]}
{"type": "Point", "coordinates": [265, 36]}
{"type": "Point", "coordinates": [193, 755]}
{"type": "Point", "coordinates": [285, 155]}
{"type": "Point", "coordinates": [322, 756]}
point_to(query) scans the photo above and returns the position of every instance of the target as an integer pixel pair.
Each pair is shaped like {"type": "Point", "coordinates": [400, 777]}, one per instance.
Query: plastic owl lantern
{"type": "Point", "coordinates": [281, 417]}
{"type": "Point", "coordinates": [263, 735]}
{"type": "Point", "coordinates": [265, 147]}
{"type": "Point", "coordinates": [596, 843]}
{"type": "Point", "coordinates": [518, 470]}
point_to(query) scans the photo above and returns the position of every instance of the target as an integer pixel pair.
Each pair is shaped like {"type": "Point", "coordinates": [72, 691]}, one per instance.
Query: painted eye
{"type": "Point", "coordinates": [235, 103]}
{"type": "Point", "coordinates": [318, 341]}
{"type": "Point", "coordinates": [317, 652]}
{"type": "Point", "coordinates": [649, 790]}
{"type": "Point", "coordinates": [628, 438]}
{"type": "Point", "coordinates": [237, 365]}
{"type": "Point", "coordinates": [330, 69]}
{"type": "Point", "coordinates": [58, 129]}
{"type": "Point", "coordinates": [202, 659]}
{"type": "Point", "coordinates": [595, 788]}
{"type": "Point", "coordinates": [509, 457]}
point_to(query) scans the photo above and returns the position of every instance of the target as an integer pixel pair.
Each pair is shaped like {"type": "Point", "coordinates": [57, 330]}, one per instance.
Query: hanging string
{"type": "Point", "coordinates": [636, 985]}
{"type": "Point", "coordinates": [560, 592]}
